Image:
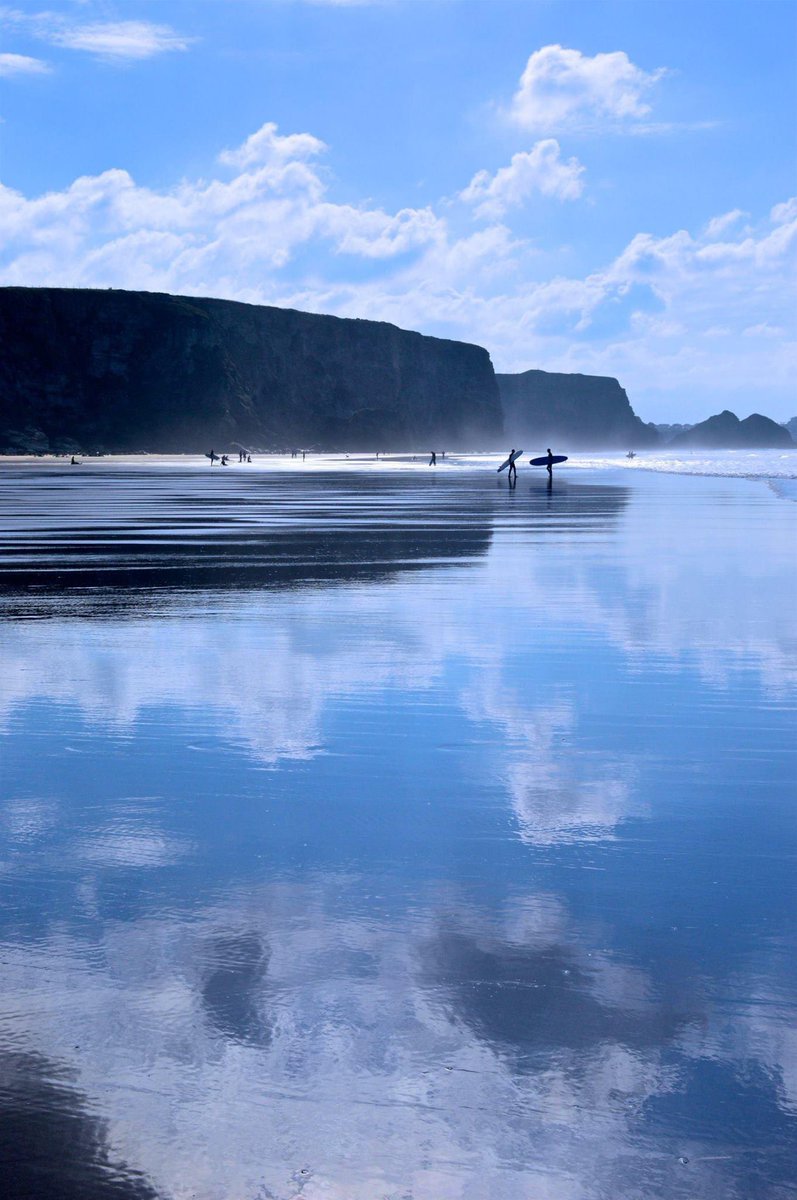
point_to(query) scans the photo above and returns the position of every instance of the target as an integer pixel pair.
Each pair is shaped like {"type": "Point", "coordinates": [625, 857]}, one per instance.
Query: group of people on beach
{"type": "Point", "coordinates": [224, 459]}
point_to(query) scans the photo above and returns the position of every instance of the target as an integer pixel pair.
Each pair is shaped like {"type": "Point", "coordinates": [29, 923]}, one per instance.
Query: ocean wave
{"type": "Point", "coordinates": [743, 464]}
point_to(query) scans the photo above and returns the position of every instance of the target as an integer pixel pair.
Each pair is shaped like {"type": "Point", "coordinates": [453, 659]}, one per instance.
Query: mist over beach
{"type": "Point", "coordinates": [398, 498]}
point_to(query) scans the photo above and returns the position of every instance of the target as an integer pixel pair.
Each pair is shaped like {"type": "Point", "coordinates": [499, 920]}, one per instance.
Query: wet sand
{"type": "Point", "coordinates": [371, 831]}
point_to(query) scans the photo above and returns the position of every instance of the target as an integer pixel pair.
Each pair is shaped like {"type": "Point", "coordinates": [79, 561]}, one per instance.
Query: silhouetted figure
{"type": "Point", "coordinates": [512, 472]}
{"type": "Point", "coordinates": [302, 455]}
{"type": "Point", "coordinates": [212, 456]}
{"type": "Point", "coordinates": [549, 467]}
{"type": "Point", "coordinates": [433, 460]}
{"type": "Point", "coordinates": [249, 458]}
{"type": "Point", "coordinates": [75, 462]}
{"type": "Point", "coordinates": [224, 460]}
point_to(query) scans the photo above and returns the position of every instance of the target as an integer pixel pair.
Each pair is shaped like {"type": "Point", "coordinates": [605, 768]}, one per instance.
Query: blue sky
{"type": "Point", "coordinates": [596, 187]}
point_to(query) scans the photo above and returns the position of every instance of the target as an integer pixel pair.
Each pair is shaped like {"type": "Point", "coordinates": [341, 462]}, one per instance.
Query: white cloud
{"type": "Point", "coordinates": [267, 146]}
{"type": "Point", "coordinates": [540, 169]}
{"type": "Point", "coordinates": [115, 41]}
{"type": "Point", "coordinates": [565, 89]}
{"type": "Point", "coordinates": [120, 39]}
{"type": "Point", "coordinates": [723, 223]}
{"type": "Point", "coordinates": [21, 64]}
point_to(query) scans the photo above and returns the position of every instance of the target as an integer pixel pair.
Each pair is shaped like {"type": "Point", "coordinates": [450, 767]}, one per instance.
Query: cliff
{"type": "Point", "coordinates": [726, 432]}
{"type": "Point", "coordinates": [578, 411]}
{"type": "Point", "coordinates": [139, 371]}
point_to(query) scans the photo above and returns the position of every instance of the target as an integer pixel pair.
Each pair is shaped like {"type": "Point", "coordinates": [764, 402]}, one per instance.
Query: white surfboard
{"type": "Point", "coordinates": [512, 458]}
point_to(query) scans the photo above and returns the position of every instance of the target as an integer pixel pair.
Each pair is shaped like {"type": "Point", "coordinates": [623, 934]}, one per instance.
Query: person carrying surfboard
{"type": "Point", "coordinates": [512, 472]}
{"type": "Point", "coordinates": [549, 464]}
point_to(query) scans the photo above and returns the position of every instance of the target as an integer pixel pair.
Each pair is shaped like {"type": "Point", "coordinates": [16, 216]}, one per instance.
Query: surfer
{"type": "Point", "coordinates": [512, 472]}
{"type": "Point", "coordinates": [212, 456]}
{"type": "Point", "coordinates": [549, 464]}
{"type": "Point", "coordinates": [433, 460]}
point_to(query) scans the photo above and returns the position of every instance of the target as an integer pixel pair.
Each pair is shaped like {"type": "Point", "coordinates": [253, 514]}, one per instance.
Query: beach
{"type": "Point", "coordinates": [373, 830]}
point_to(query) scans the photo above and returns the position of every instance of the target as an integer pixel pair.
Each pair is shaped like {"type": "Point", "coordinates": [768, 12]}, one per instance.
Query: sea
{"type": "Point", "coordinates": [378, 831]}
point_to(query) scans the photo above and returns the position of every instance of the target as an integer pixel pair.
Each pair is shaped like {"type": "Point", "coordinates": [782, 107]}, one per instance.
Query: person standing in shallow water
{"type": "Point", "coordinates": [549, 467]}
{"type": "Point", "coordinates": [433, 460]}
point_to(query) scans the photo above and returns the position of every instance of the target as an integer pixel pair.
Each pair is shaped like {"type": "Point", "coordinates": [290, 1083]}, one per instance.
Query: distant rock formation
{"type": "Point", "coordinates": [726, 432]}
{"type": "Point", "coordinates": [578, 411]}
{"type": "Point", "coordinates": [792, 427]}
{"type": "Point", "coordinates": [668, 432]}
{"type": "Point", "coordinates": [140, 371]}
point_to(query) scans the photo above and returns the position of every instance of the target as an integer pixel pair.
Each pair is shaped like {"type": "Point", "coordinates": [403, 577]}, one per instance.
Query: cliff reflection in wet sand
{"type": "Point", "coordinates": [396, 837]}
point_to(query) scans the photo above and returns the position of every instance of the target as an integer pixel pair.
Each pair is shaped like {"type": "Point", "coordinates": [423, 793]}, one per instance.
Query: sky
{"type": "Point", "coordinates": [601, 187]}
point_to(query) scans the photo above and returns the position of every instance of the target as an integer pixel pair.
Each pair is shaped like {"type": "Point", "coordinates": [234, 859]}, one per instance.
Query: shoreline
{"type": "Point", "coordinates": [743, 464]}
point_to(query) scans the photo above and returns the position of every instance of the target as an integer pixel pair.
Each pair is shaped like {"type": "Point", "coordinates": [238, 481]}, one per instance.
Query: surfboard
{"type": "Point", "coordinates": [543, 462]}
{"type": "Point", "coordinates": [512, 458]}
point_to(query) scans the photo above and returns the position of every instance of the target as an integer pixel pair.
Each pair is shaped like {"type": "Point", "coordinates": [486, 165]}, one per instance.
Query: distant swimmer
{"type": "Point", "coordinates": [433, 460]}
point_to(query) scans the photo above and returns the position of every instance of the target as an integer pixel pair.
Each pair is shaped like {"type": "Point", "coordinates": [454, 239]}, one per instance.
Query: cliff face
{"type": "Point", "coordinates": [579, 411]}
{"type": "Point", "coordinates": [126, 371]}
{"type": "Point", "coordinates": [726, 432]}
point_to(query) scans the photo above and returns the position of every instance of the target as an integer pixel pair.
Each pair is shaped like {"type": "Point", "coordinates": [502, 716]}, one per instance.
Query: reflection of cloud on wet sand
{"type": "Point", "coordinates": [268, 675]}
{"type": "Point", "coordinates": [459, 1056]}
{"type": "Point", "coordinates": [558, 795]}
{"type": "Point", "coordinates": [130, 843]}
{"type": "Point", "coordinates": [270, 681]}
{"type": "Point", "coordinates": [699, 572]}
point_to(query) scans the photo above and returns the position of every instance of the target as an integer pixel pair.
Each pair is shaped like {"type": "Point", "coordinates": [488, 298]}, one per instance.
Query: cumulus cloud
{"type": "Point", "coordinates": [541, 169]}
{"type": "Point", "coordinates": [216, 236]}
{"type": "Point", "coordinates": [268, 146]}
{"type": "Point", "coordinates": [21, 64]}
{"type": "Point", "coordinates": [564, 89]}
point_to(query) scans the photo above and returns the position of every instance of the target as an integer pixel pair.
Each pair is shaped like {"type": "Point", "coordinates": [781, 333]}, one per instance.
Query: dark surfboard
{"type": "Point", "coordinates": [543, 462]}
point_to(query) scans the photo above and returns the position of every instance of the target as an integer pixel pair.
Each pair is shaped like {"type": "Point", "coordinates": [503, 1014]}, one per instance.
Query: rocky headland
{"type": "Point", "coordinates": [580, 411]}
{"type": "Point", "coordinates": [138, 371]}
{"type": "Point", "coordinates": [726, 432]}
